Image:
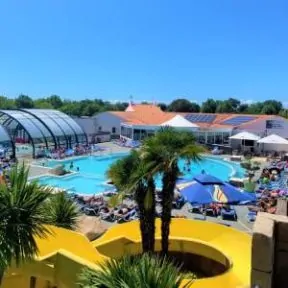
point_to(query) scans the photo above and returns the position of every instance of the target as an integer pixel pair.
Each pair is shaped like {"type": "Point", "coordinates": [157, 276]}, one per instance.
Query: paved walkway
{"type": "Point", "coordinates": [38, 171]}
{"type": "Point", "coordinates": [241, 224]}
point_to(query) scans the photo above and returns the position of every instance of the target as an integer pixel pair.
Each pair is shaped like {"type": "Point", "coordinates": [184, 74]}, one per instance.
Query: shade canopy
{"type": "Point", "coordinates": [273, 139]}
{"type": "Point", "coordinates": [245, 136]}
{"type": "Point", "coordinates": [194, 191]}
{"type": "Point", "coordinates": [179, 122]}
{"type": "Point", "coordinates": [207, 179]}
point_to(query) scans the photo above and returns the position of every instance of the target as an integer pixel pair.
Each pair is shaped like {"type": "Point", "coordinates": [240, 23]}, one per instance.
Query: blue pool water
{"type": "Point", "coordinates": [92, 172]}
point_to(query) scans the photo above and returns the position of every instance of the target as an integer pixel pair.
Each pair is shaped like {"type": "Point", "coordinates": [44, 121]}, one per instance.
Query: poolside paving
{"type": "Point", "coordinates": [35, 171]}
{"type": "Point", "coordinates": [242, 223]}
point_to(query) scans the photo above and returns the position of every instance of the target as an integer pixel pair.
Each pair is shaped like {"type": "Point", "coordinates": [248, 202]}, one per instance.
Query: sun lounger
{"type": "Point", "coordinates": [178, 203]}
{"type": "Point", "coordinates": [228, 213]}
{"type": "Point", "coordinates": [251, 216]}
{"type": "Point", "coordinates": [107, 216]}
{"type": "Point", "coordinates": [196, 209]}
{"type": "Point", "coordinates": [210, 211]}
{"type": "Point", "coordinates": [91, 211]}
{"type": "Point", "coordinates": [129, 216]}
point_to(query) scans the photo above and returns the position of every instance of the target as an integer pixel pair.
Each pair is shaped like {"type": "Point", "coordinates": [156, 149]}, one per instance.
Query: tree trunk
{"type": "Point", "coordinates": [1, 276]}
{"type": "Point", "coordinates": [147, 217]}
{"type": "Point", "coordinates": [169, 182]}
{"type": "Point", "coordinates": [139, 197]}
{"type": "Point", "coordinates": [150, 215]}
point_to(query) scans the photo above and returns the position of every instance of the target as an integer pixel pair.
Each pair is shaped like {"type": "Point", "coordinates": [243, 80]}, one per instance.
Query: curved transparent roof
{"type": "Point", "coordinates": [4, 136]}
{"type": "Point", "coordinates": [59, 123]}
{"type": "Point", "coordinates": [33, 126]}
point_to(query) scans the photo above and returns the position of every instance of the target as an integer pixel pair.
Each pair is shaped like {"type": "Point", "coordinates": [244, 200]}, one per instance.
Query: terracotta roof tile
{"type": "Point", "coordinates": [147, 114]}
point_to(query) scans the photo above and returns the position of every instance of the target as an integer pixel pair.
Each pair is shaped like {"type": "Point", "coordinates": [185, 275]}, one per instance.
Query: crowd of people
{"type": "Point", "coordinates": [62, 153]}
{"type": "Point", "coordinates": [272, 185]}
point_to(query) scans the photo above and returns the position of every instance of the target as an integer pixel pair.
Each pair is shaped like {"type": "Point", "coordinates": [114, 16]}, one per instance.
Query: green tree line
{"type": "Point", "coordinates": [90, 107]}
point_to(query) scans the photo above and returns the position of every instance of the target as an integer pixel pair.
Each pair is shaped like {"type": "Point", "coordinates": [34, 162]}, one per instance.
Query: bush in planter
{"type": "Point", "coordinates": [59, 170]}
{"type": "Point", "coordinates": [248, 165]}
{"type": "Point", "coordinates": [141, 271]}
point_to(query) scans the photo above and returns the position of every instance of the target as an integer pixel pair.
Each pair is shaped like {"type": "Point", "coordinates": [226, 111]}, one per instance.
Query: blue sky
{"type": "Point", "coordinates": [152, 49]}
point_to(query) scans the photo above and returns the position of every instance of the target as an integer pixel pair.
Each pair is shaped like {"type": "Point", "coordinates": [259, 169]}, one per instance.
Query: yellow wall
{"type": "Point", "coordinates": [64, 253]}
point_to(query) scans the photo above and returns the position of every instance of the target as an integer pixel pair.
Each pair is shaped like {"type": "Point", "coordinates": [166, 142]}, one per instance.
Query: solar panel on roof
{"type": "Point", "coordinates": [238, 120]}
{"type": "Point", "coordinates": [200, 118]}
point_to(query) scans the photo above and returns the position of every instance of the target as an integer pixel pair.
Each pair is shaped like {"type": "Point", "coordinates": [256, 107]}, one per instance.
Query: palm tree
{"type": "Point", "coordinates": [162, 154]}
{"type": "Point", "coordinates": [61, 211]}
{"type": "Point", "coordinates": [129, 174]}
{"type": "Point", "coordinates": [134, 272]}
{"type": "Point", "coordinates": [21, 218]}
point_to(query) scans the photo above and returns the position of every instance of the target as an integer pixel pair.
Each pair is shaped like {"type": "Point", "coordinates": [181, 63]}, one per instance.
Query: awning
{"type": "Point", "coordinates": [245, 136]}
{"type": "Point", "coordinates": [179, 122]}
{"type": "Point", "coordinates": [273, 139]}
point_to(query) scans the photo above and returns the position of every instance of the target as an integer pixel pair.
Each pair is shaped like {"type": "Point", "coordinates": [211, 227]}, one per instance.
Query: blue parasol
{"type": "Point", "coordinates": [206, 189]}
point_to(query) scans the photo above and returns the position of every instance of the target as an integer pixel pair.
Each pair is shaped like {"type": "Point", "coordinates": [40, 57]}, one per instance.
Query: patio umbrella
{"type": "Point", "coordinates": [244, 135]}
{"type": "Point", "coordinates": [194, 192]}
{"type": "Point", "coordinates": [206, 189]}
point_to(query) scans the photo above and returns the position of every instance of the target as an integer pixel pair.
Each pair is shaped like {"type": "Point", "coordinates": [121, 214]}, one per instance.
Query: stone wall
{"type": "Point", "coordinates": [270, 251]}
{"type": "Point", "coordinates": [282, 207]}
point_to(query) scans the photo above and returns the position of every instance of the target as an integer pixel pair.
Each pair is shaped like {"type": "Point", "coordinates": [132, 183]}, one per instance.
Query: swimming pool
{"type": "Point", "coordinates": [91, 178]}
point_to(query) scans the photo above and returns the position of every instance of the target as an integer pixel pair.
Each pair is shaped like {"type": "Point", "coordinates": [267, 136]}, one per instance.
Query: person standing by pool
{"type": "Point", "coordinates": [71, 165]}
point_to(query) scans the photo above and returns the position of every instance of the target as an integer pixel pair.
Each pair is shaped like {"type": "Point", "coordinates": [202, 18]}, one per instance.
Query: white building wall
{"type": "Point", "coordinates": [259, 128]}
{"type": "Point", "coordinates": [273, 147]}
{"type": "Point", "coordinates": [88, 124]}
{"type": "Point", "coordinates": [106, 121]}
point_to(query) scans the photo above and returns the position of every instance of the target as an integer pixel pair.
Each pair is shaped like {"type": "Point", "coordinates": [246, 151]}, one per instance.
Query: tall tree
{"type": "Point", "coordinates": [183, 105]}
{"type": "Point", "coordinates": [6, 103]}
{"type": "Point", "coordinates": [162, 153]}
{"type": "Point", "coordinates": [274, 107]}
{"type": "Point", "coordinates": [163, 106]}
{"type": "Point", "coordinates": [224, 107]}
{"type": "Point", "coordinates": [209, 106]}
{"type": "Point", "coordinates": [234, 104]}
{"type": "Point", "coordinates": [284, 113]}
{"type": "Point", "coordinates": [131, 174]}
{"type": "Point", "coordinates": [55, 101]}
{"type": "Point", "coordinates": [269, 109]}
{"type": "Point", "coordinates": [24, 101]}
{"type": "Point", "coordinates": [42, 104]}
{"type": "Point", "coordinates": [243, 108]}
{"type": "Point", "coordinates": [255, 108]}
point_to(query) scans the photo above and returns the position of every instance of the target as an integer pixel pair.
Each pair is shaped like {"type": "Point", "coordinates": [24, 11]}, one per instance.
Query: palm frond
{"type": "Point", "coordinates": [61, 211]}
{"type": "Point", "coordinates": [142, 271]}
{"type": "Point", "coordinates": [21, 216]}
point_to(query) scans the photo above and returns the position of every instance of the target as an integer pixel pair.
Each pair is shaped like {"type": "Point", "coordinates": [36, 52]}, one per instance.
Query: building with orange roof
{"type": "Point", "coordinates": [141, 120]}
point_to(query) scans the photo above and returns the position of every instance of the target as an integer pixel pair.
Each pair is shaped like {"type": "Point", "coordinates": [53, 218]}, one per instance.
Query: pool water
{"type": "Point", "coordinates": [91, 178]}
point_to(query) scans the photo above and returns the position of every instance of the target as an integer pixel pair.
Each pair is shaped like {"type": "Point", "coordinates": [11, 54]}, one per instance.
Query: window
{"type": "Point", "coordinates": [113, 130]}
{"type": "Point", "coordinates": [249, 143]}
{"type": "Point", "coordinates": [33, 282]}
